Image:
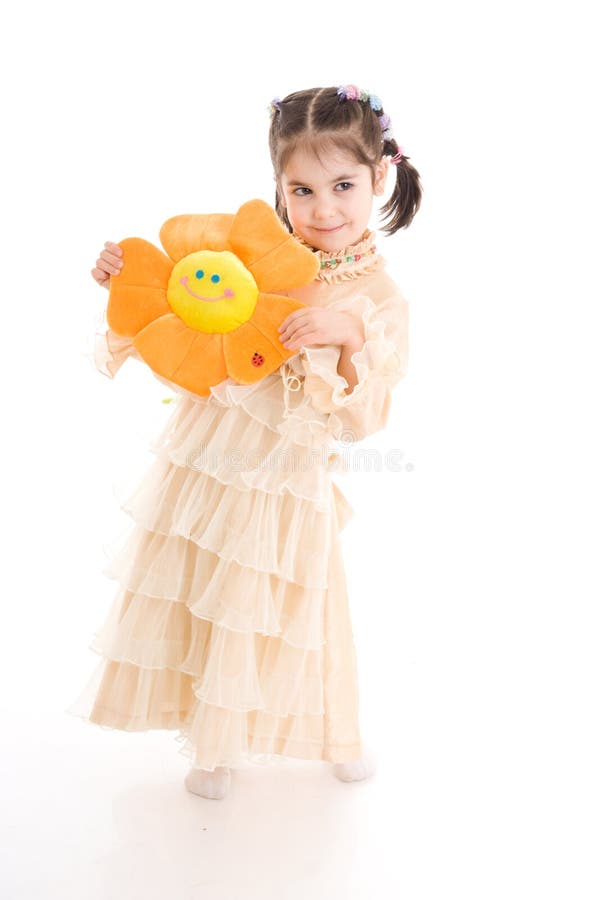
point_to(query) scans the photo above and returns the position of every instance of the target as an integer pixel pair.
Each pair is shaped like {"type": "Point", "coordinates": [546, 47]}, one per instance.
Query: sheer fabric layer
{"type": "Point", "coordinates": [218, 624]}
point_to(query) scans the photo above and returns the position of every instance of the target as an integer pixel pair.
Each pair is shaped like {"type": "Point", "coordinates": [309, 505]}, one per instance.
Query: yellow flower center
{"type": "Point", "coordinates": [212, 291]}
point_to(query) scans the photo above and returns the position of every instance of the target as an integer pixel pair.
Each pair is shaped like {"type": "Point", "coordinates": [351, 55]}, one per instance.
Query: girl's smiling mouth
{"type": "Point", "coordinates": [226, 295]}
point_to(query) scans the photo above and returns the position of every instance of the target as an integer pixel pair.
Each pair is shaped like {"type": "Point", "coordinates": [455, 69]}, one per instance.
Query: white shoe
{"type": "Point", "coordinates": [357, 770]}
{"type": "Point", "coordinates": [212, 785]}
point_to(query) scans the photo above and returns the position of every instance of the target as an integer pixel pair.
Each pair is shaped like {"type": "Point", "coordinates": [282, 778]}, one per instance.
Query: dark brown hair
{"type": "Point", "coordinates": [319, 118]}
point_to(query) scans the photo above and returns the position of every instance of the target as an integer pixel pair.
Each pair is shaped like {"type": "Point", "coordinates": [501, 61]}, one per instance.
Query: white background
{"type": "Point", "coordinates": [473, 577]}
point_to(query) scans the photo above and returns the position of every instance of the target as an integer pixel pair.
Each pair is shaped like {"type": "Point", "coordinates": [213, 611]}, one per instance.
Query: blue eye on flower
{"type": "Point", "coordinates": [200, 273]}
{"type": "Point", "coordinates": [215, 279]}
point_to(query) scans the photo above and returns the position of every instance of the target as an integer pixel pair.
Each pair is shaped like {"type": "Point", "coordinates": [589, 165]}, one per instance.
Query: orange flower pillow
{"type": "Point", "coordinates": [211, 307]}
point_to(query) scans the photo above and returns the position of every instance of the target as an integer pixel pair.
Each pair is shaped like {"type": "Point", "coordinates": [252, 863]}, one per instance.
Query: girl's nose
{"type": "Point", "coordinates": [324, 208]}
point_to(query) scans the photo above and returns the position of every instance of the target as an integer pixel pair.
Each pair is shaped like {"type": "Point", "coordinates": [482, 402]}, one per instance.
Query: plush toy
{"type": "Point", "coordinates": [211, 307]}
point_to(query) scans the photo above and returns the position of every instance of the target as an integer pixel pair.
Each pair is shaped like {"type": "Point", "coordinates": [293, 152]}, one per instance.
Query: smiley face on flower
{"type": "Point", "coordinates": [224, 285]}
{"type": "Point", "coordinates": [211, 307]}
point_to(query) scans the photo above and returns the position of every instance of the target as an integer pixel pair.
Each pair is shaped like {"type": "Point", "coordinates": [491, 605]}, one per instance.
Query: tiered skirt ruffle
{"type": "Point", "coordinates": [230, 621]}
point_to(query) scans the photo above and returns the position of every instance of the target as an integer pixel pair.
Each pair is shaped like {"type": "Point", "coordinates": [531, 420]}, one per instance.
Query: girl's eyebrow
{"type": "Point", "coordinates": [333, 181]}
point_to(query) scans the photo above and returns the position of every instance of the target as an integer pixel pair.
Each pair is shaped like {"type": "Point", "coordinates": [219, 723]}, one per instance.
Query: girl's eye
{"type": "Point", "coordinates": [344, 185]}
{"type": "Point", "coordinates": [300, 192]}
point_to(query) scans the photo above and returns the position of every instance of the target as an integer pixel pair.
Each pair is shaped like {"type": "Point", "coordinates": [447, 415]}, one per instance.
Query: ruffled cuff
{"type": "Point", "coordinates": [111, 350]}
{"type": "Point", "coordinates": [380, 364]}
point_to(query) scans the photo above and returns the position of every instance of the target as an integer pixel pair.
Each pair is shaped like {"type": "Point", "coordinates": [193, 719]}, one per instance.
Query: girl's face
{"type": "Point", "coordinates": [329, 200]}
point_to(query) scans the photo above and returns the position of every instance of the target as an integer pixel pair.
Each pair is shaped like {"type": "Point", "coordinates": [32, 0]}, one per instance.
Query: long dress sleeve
{"type": "Point", "coordinates": [110, 352]}
{"type": "Point", "coordinates": [380, 364]}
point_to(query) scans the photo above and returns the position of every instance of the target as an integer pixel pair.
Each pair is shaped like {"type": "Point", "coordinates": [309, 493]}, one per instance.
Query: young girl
{"type": "Point", "coordinates": [231, 622]}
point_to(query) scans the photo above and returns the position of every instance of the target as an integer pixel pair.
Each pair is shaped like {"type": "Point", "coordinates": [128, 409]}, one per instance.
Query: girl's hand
{"type": "Point", "coordinates": [315, 325]}
{"type": "Point", "coordinates": [108, 263]}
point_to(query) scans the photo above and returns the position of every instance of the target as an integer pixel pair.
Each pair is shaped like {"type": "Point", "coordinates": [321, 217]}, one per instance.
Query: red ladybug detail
{"type": "Point", "coordinates": [257, 360]}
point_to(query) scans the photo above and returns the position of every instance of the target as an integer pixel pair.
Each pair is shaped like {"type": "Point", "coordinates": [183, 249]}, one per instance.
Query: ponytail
{"type": "Point", "coordinates": [401, 208]}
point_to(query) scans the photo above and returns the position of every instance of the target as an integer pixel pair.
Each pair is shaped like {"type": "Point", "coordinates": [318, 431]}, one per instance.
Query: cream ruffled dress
{"type": "Point", "coordinates": [231, 619]}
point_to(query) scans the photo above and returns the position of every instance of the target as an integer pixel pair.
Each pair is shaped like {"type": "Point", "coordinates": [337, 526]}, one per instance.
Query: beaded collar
{"type": "Point", "coordinates": [352, 257]}
{"type": "Point", "coordinates": [349, 262]}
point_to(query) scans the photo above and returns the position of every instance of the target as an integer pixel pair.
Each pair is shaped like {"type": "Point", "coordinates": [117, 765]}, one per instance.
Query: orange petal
{"type": "Point", "coordinates": [138, 295]}
{"type": "Point", "coordinates": [258, 340]}
{"type": "Point", "coordinates": [186, 234]}
{"type": "Point", "coordinates": [275, 258]}
{"type": "Point", "coordinates": [192, 359]}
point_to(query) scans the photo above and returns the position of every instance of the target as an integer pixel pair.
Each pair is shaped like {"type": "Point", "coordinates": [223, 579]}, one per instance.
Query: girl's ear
{"type": "Point", "coordinates": [381, 172]}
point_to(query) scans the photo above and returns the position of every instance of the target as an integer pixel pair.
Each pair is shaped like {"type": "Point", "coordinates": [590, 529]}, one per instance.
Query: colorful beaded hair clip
{"type": "Point", "coordinates": [274, 106]}
{"type": "Point", "coordinates": [352, 92]}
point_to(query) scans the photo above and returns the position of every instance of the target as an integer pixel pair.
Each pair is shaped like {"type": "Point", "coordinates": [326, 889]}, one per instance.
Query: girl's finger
{"type": "Point", "coordinates": [112, 259]}
{"type": "Point", "coordinates": [114, 248]}
{"type": "Point", "coordinates": [306, 340]}
{"type": "Point", "coordinates": [303, 318]}
{"type": "Point", "coordinates": [292, 318]}
{"type": "Point", "coordinates": [99, 276]}
{"type": "Point", "coordinates": [301, 336]}
{"type": "Point", "coordinates": [107, 267]}
{"type": "Point", "coordinates": [292, 333]}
